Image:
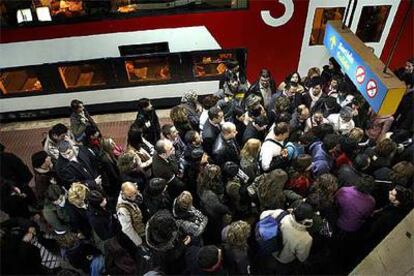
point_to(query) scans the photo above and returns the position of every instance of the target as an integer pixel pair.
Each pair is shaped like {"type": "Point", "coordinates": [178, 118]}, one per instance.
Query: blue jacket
{"type": "Point", "coordinates": [322, 162]}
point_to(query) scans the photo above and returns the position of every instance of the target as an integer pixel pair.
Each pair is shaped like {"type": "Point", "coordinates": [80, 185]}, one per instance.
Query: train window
{"type": "Point", "coordinates": [322, 16]}
{"type": "Point", "coordinates": [19, 81]}
{"type": "Point", "coordinates": [372, 22]}
{"type": "Point", "coordinates": [211, 65]}
{"type": "Point", "coordinates": [148, 69]}
{"type": "Point", "coordinates": [83, 75]}
{"type": "Point", "coordinates": [63, 11]}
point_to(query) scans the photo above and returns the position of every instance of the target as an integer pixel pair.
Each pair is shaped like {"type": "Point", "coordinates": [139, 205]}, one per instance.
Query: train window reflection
{"type": "Point", "coordinates": [372, 23]}
{"type": "Point", "coordinates": [322, 16]}
{"type": "Point", "coordinates": [19, 81]}
{"type": "Point", "coordinates": [84, 75]}
{"type": "Point", "coordinates": [148, 69]}
{"type": "Point", "coordinates": [211, 65]}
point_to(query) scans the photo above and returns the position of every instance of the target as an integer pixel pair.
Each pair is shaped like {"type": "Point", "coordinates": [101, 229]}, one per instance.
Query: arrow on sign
{"type": "Point", "coordinates": [333, 41]}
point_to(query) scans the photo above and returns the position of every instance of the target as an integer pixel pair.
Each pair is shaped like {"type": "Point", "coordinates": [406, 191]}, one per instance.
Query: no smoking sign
{"type": "Point", "coordinates": [360, 74]}
{"type": "Point", "coordinates": [372, 88]}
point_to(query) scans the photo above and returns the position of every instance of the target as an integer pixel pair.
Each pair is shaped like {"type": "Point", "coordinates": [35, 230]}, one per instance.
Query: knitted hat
{"type": "Point", "coordinates": [38, 159]}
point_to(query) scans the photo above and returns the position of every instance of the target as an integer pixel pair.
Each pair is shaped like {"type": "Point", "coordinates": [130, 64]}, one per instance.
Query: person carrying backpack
{"type": "Point", "coordinates": [290, 240]}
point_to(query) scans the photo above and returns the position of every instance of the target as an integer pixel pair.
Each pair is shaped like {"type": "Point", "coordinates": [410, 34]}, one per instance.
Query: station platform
{"type": "Point", "coordinates": [24, 138]}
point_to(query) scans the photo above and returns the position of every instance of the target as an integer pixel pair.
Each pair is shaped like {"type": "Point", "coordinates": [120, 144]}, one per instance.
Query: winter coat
{"type": "Point", "coordinates": [225, 150]}
{"type": "Point", "coordinates": [14, 169]}
{"type": "Point", "coordinates": [79, 220]}
{"type": "Point", "coordinates": [236, 260]}
{"type": "Point", "coordinates": [58, 217]}
{"type": "Point", "coordinates": [168, 170]}
{"type": "Point", "coordinates": [297, 242]}
{"type": "Point", "coordinates": [149, 123]}
{"type": "Point", "coordinates": [354, 208]}
{"type": "Point", "coordinates": [212, 205]}
{"type": "Point", "coordinates": [322, 162]}
{"type": "Point", "coordinates": [82, 171]}
{"type": "Point", "coordinates": [102, 222]}
{"type": "Point", "coordinates": [210, 134]}
{"type": "Point", "coordinates": [191, 221]}
{"type": "Point", "coordinates": [117, 259]}
{"type": "Point", "coordinates": [154, 203]}
{"type": "Point", "coordinates": [130, 218]}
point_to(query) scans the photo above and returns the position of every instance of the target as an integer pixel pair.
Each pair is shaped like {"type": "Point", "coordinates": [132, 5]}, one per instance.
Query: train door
{"type": "Point", "coordinates": [372, 22]}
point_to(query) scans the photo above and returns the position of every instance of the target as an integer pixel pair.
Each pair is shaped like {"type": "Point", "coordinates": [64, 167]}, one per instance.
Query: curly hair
{"type": "Point", "coordinates": [325, 187]}
{"type": "Point", "coordinates": [237, 234]}
{"type": "Point", "coordinates": [179, 114]}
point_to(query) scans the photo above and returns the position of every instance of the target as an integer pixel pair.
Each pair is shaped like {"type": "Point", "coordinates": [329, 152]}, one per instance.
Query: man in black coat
{"type": "Point", "coordinates": [264, 87]}
{"type": "Point", "coordinates": [74, 165]}
{"type": "Point", "coordinates": [212, 128]}
{"type": "Point", "coordinates": [165, 167]}
{"type": "Point", "coordinates": [147, 121]}
{"type": "Point", "coordinates": [225, 148]}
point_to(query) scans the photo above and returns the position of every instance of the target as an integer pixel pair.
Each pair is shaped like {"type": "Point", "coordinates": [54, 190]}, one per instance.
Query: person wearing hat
{"type": "Point", "coordinates": [297, 242]}
{"type": "Point", "coordinates": [43, 174]}
{"type": "Point", "coordinates": [342, 121]}
{"type": "Point", "coordinates": [190, 102]}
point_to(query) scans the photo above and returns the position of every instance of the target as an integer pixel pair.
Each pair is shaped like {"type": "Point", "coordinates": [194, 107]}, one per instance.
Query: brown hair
{"type": "Point", "coordinates": [313, 71]}
{"type": "Point", "coordinates": [356, 133]}
{"type": "Point", "coordinates": [385, 148]}
{"type": "Point", "coordinates": [179, 114]}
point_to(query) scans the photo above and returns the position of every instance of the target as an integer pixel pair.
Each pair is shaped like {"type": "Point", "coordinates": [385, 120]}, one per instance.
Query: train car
{"type": "Point", "coordinates": [109, 53]}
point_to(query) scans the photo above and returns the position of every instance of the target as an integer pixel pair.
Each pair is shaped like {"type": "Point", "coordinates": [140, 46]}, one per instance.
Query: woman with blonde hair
{"type": "Point", "coordinates": [77, 197]}
{"type": "Point", "coordinates": [236, 247]}
{"type": "Point", "coordinates": [249, 162]}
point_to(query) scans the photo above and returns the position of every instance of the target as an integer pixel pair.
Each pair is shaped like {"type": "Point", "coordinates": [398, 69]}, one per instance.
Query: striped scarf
{"type": "Point", "coordinates": [49, 260]}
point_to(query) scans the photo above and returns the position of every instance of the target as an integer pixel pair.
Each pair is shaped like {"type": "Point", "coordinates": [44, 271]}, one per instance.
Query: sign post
{"type": "Point", "coordinates": [383, 91]}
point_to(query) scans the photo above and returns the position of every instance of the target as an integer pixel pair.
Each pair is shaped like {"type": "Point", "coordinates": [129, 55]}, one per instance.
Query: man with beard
{"type": "Point", "coordinates": [147, 121]}
{"type": "Point", "coordinates": [264, 88]}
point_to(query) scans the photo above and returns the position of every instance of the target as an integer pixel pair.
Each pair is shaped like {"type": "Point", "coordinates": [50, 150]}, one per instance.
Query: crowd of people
{"type": "Point", "coordinates": [297, 178]}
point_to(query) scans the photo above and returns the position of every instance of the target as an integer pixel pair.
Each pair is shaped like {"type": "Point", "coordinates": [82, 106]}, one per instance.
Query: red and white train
{"type": "Point", "coordinates": [44, 65]}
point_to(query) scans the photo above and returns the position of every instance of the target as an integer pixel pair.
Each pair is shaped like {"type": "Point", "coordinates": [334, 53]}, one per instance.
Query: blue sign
{"type": "Point", "coordinates": [365, 80]}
